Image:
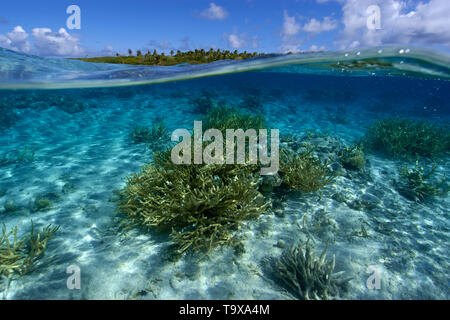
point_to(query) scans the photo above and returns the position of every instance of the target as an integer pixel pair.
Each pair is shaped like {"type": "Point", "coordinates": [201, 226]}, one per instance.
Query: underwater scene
{"type": "Point", "coordinates": [356, 205]}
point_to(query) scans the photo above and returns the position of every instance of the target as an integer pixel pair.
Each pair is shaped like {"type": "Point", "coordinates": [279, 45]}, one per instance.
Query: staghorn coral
{"type": "Point", "coordinates": [304, 172]}
{"type": "Point", "coordinates": [306, 276]}
{"type": "Point", "coordinates": [203, 205]}
{"type": "Point", "coordinates": [140, 134]}
{"type": "Point", "coordinates": [223, 117]}
{"type": "Point", "coordinates": [352, 158]}
{"type": "Point", "coordinates": [416, 184]}
{"type": "Point", "coordinates": [156, 137]}
{"type": "Point", "coordinates": [19, 256]}
{"type": "Point", "coordinates": [159, 136]}
{"type": "Point", "coordinates": [404, 138]}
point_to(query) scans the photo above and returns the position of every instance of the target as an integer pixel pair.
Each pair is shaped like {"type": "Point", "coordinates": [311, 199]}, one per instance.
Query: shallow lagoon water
{"type": "Point", "coordinates": [76, 136]}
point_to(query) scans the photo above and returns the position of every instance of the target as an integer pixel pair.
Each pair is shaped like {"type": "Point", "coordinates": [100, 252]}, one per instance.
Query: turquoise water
{"type": "Point", "coordinates": [66, 151]}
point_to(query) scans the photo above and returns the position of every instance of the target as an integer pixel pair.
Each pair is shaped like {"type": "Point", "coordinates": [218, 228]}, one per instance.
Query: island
{"type": "Point", "coordinates": [196, 56]}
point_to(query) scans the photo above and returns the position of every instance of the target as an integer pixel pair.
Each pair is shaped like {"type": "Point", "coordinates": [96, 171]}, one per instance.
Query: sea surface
{"type": "Point", "coordinates": [66, 150]}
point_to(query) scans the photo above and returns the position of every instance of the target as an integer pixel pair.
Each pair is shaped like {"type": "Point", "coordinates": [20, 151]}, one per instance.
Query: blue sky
{"type": "Point", "coordinates": [39, 27]}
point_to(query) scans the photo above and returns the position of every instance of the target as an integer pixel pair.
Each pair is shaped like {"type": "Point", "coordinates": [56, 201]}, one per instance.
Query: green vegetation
{"type": "Point", "coordinates": [19, 256]}
{"type": "Point", "coordinates": [18, 158]}
{"type": "Point", "coordinates": [41, 204]}
{"type": "Point", "coordinates": [304, 172]}
{"type": "Point", "coordinates": [352, 158]}
{"type": "Point", "coordinates": [223, 117]}
{"type": "Point", "coordinates": [140, 135]}
{"type": "Point", "coordinates": [403, 138]}
{"type": "Point", "coordinates": [306, 276]}
{"type": "Point", "coordinates": [156, 137]}
{"type": "Point", "coordinates": [202, 205]}
{"type": "Point", "coordinates": [161, 59]}
{"type": "Point", "coordinates": [417, 184]}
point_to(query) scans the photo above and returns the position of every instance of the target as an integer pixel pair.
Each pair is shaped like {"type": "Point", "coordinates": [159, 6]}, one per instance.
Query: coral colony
{"type": "Point", "coordinates": [213, 153]}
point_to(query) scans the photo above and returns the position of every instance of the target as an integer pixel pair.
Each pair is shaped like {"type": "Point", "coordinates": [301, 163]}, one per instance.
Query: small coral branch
{"type": "Point", "coordinates": [306, 276]}
{"type": "Point", "coordinates": [19, 256]}
{"type": "Point", "coordinates": [304, 172]}
{"type": "Point", "coordinates": [417, 183]}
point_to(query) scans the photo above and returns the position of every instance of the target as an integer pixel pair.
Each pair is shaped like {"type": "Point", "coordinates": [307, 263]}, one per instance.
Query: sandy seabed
{"type": "Point", "coordinates": [82, 158]}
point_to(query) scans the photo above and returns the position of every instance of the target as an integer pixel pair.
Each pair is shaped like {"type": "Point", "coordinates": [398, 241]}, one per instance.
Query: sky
{"type": "Point", "coordinates": [108, 27]}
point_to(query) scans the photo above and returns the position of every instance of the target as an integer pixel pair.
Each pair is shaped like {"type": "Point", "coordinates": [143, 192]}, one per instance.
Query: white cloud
{"type": "Point", "coordinates": [315, 26]}
{"type": "Point", "coordinates": [16, 40]}
{"type": "Point", "coordinates": [294, 46]}
{"type": "Point", "coordinates": [59, 43]}
{"type": "Point", "coordinates": [316, 48]}
{"type": "Point", "coordinates": [161, 45]}
{"type": "Point", "coordinates": [108, 51]}
{"type": "Point", "coordinates": [290, 43]}
{"type": "Point", "coordinates": [241, 41]}
{"type": "Point", "coordinates": [214, 12]}
{"type": "Point", "coordinates": [234, 41]}
{"type": "Point", "coordinates": [401, 23]}
{"type": "Point", "coordinates": [42, 42]}
{"type": "Point", "coordinates": [324, 1]}
{"type": "Point", "coordinates": [290, 26]}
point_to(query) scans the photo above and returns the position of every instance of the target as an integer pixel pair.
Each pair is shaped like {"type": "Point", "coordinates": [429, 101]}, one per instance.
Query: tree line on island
{"type": "Point", "coordinates": [196, 56]}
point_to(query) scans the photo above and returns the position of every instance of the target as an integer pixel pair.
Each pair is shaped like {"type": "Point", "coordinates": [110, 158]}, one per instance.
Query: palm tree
{"type": "Point", "coordinates": [130, 52]}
